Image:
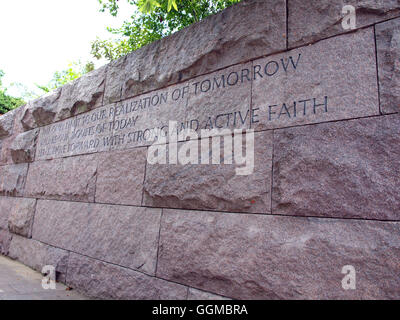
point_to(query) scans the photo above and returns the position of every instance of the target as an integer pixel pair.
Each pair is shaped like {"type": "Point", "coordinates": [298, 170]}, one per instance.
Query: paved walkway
{"type": "Point", "coordinates": [18, 282]}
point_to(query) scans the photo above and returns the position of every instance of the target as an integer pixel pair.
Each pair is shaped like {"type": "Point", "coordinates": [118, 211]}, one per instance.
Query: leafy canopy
{"type": "Point", "coordinates": [73, 71]}
{"type": "Point", "coordinates": [8, 102]}
{"type": "Point", "coordinates": [152, 20]}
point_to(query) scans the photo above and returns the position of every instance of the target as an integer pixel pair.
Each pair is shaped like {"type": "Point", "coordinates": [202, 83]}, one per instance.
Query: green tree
{"type": "Point", "coordinates": [151, 21]}
{"type": "Point", "coordinates": [8, 102]}
{"type": "Point", "coordinates": [73, 71]}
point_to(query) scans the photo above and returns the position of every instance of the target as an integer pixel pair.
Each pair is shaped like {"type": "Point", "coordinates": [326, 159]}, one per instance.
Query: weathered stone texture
{"type": "Point", "coordinates": [126, 236]}
{"type": "Point", "coordinates": [23, 147]}
{"type": "Point", "coordinates": [310, 21]}
{"type": "Point", "coordinates": [218, 41]}
{"type": "Point", "coordinates": [344, 169]}
{"type": "Point", "coordinates": [5, 240]}
{"type": "Point", "coordinates": [70, 178]}
{"type": "Point", "coordinates": [106, 281]}
{"type": "Point", "coordinates": [37, 255]}
{"type": "Point", "coordinates": [6, 141]}
{"type": "Point", "coordinates": [275, 257]}
{"type": "Point", "coordinates": [195, 294]}
{"type": "Point", "coordinates": [114, 80]}
{"type": "Point", "coordinates": [6, 124]}
{"type": "Point", "coordinates": [6, 207]}
{"type": "Point", "coordinates": [18, 114]}
{"type": "Point", "coordinates": [342, 69]}
{"type": "Point", "coordinates": [41, 111]}
{"type": "Point", "coordinates": [120, 177]}
{"type": "Point", "coordinates": [5, 155]}
{"type": "Point", "coordinates": [388, 46]}
{"type": "Point", "coordinates": [81, 95]}
{"type": "Point", "coordinates": [21, 218]}
{"type": "Point", "coordinates": [12, 179]}
{"type": "Point", "coordinates": [213, 186]}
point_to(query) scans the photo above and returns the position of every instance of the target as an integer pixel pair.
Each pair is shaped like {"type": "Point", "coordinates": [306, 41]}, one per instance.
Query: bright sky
{"type": "Point", "coordinates": [39, 37]}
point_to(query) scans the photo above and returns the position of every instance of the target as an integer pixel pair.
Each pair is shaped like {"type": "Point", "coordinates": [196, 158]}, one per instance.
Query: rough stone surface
{"type": "Point", "coordinates": [195, 294]}
{"type": "Point", "coordinates": [344, 169]}
{"type": "Point", "coordinates": [114, 80]}
{"type": "Point", "coordinates": [23, 147]}
{"type": "Point", "coordinates": [37, 255]}
{"type": "Point", "coordinates": [126, 236]}
{"type": "Point", "coordinates": [388, 46]}
{"type": "Point", "coordinates": [213, 186]}
{"type": "Point", "coordinates": [5, 155]}
{"type": "Point", "coordinates": [71, 178]}
{"type": "Point", "coordinates": [6, 124]}
{"type": "Point", "coordinates": [310, 21]}
{"type": "Point", "coordinates": [343, 69]}
{"type": "Point", "coordinates": [5, 240]}
{"type": "Point", "coordinates": [83, 94]}
{"type": "Point", "coordinates": [20, 220]}
{"type": "Point", "coordinates": [6, 207]}
{"type": "Point", "coordinates": [108, 281]}
{"type": "Point", "coordinates": [120, 177]}
{"type": "Point", "coordinates": [12, 179]}
{"type": "Point", "coordinates": [41, 111]}
{"type": "Point", "coordinates": [6, 142]}
{"type": "Point", "coordinates": [18, 114]}
{"type": "Point", "coordinates": [276, 257]}
{"type": "Point", "coordinates": [218, 41]}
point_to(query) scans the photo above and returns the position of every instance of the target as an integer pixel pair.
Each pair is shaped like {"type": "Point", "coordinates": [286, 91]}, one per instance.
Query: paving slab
{"type": "Point", "coordinates": [18, 282]}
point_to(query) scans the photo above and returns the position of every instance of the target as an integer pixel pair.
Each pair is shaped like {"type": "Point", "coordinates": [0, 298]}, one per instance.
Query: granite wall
{"type": "Point", "coordinates": [77, 192]}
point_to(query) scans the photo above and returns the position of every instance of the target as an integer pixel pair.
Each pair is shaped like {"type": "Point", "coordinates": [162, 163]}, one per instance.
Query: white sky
{"type": "Point", "coordinates": [39, 37]}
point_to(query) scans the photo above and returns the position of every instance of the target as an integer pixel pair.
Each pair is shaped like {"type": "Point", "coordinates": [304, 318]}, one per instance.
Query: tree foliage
{"type": "Point", "coordinates": [8, 102]}
{"type": "Point", "coordinates": [152, 20]}
{"type": "Point", "coordinates": [73, 71]}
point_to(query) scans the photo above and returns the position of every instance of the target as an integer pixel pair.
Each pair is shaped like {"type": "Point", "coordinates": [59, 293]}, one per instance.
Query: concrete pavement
{"type": "Point", "coordinates": [18, 282]}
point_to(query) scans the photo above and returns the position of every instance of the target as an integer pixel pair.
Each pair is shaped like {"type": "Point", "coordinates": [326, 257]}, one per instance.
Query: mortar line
{"type": "Point", "coordinates": [26, 177]}
{"type": "Point", "coordinates": [105, 83]}
{"type": "Point", "coordinates": [272, 170]}
{"type": "Point", "coordinates": [33, 218]}
{"type": "Point", "coordinates": [377, 71]}
{"type": "Point", "coordinates": [251, 94]}
{"type": "Point", "coordinates": [158, 242]}
{"type": "Point", "coordinates": [221, 212]}
{"type": "Point", "coordinates": [287, 24]}
{"type": "Point", "coordinates": [66, 270]}
{"type": "Point", "coordinates": [95, 185]}
{"type": "Point", "coordinates": [144, 176]}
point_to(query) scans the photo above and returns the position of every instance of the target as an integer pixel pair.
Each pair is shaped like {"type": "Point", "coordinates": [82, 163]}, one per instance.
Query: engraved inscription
{"type": "Point", "coordinates": [306, 85]}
